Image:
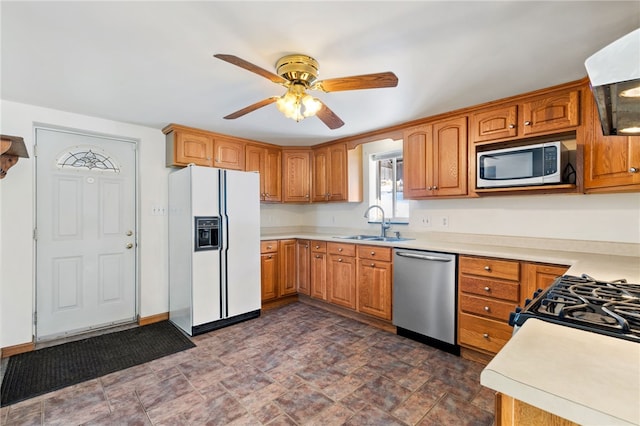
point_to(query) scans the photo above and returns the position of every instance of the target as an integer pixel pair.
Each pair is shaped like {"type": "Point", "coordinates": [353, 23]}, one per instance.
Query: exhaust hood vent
{"type": "Point", "coordinates": [614, 73]}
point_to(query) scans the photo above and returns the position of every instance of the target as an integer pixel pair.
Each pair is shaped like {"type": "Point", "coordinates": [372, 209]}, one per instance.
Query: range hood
{"type": "Point", "coordinates": [614, 73]}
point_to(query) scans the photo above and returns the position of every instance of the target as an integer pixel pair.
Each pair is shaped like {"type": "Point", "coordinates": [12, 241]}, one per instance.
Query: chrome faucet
{"type": "Point", "coordinates": [383, 225]}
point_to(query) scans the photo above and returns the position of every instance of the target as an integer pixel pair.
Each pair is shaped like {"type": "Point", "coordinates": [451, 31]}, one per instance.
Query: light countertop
{"type": "Point", "coordinates": [585, 377]}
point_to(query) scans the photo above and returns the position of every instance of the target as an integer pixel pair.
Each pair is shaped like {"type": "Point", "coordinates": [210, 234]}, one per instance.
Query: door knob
{"type": "Point", "coordinates": [633, 170]}
{"type": "Point", "coordinates": [129, 233]}
{"type": "Point", "coordinates": [130, 245]}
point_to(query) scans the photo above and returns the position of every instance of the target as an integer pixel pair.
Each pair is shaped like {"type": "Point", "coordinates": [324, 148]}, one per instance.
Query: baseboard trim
{"type": "Point", "coordinates": [17, 349]}
{"type": "Point", "coordinates": [276, 303]}
{"type": "Point", "coordinates": [153, 318]}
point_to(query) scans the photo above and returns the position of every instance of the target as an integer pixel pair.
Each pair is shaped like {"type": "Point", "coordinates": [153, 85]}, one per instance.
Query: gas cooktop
{"type": "Point", "coordinates": [606, 307]}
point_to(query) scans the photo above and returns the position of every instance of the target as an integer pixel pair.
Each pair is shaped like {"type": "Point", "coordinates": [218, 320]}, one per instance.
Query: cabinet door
{"type": "Point", "coordinates": [272, 175]}
{"type": "Point", "coordinates": [319, 275]}
{"type": "Point", "coordinates": [337, 173]}
{"type": "Point", "coordinates": [418, 155]}
{"type": "Point", "coordinates": [495, 123]}
{"type": "Point", "coordinates": [374, 288]}
{"type": "Point", "coordinates": [303, 274]}
{"type": "Point", "coordinates": [296, 177]}
{"type": "Point", "coordinates": [269, 275]}
{"type": "Point", "coordinates": [193, 148]}
{"type": "Point", "coordinates": [228, 154]}
{"type": "Point", "coordinates": [287, 257]}
{"type": "Point", "coordinates": [320, 170]}
{"type": "Point", "coordinates": [341, 280]}
{"type": "Point", "coordinates": [450, 157]}
{"type": "Point", "coordinates": [609, 161]}
{"type": "Point", "coordinates": [538, 276]}
{"type": "Point", "coordinates": [551, 113]}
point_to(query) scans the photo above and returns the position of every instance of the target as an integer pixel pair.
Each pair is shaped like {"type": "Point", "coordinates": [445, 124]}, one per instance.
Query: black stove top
{"type": "Point", "coordinates": [606, 307]}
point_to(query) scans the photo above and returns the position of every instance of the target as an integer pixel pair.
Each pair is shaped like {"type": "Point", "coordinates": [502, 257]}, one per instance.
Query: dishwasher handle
{"type": "Point", "coordinates": [422, 256]}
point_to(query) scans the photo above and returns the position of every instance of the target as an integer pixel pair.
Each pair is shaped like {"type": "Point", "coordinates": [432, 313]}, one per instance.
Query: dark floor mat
{"type": "Point", "coordinates": [38, 372]}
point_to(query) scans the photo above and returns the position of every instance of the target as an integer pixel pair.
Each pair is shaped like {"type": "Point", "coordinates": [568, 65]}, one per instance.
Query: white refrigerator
{"type": "Point", "coordinates": [214, 248]}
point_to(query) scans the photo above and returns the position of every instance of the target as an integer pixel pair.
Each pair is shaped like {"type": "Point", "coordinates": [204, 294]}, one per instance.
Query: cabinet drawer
{"type": "Point", "coordinates": [318, 246]}
{"type": "Point", "coordinates": [342, 249]}
{"type": "Point", "coordinates": [506, 269]}
{"type": "Point", "coordinates": [490, 288]}
{"type": "Point", "coordinates": [482, 333]}
{"type": "Point", "coordinates": [486, 307]}
{"type": "Point", "coordinates": [270, 246]}
{"type": "Point", "coordinates": [374, 253]}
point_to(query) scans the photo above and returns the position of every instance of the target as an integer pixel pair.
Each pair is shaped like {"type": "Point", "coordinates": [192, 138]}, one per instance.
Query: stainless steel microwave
{"type": "Point", "coordinates": [537, 164]}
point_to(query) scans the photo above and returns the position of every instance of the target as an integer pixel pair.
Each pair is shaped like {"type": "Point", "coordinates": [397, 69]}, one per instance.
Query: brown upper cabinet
{"type": "Point", "coordinates": [336, 173]}
{"type": "Point", "coordinates": [611, 163]}
{"type": "Point", "coordinates": [531, 116]}
{"type": "Point", "coordinates": [268, 162]}
{"type": "Point", "coordinates": [435, 159]}
{"type": "Point", "coordinates": [187, 146]}
{"type": "Point", "coordinates": [296, 176]}
{"type": "Point", "coordinates": [228, 153]}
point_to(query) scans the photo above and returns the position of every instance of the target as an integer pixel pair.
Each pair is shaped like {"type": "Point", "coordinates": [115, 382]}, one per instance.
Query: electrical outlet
{"type": "Point", "coordinates": [158, 211]}
{"type": "Point", "coordinates": [426, 221]}
{"type": "Point", "coordinates": [444, 221]}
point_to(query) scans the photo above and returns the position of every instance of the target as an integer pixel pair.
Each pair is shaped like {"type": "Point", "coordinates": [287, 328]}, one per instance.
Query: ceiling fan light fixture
{"type": "Point", "coordinates": [297, 104]}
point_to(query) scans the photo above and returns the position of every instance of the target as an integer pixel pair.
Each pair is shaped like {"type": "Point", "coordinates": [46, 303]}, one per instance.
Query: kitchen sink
{"type": "Point", "coordinates": [374, 238]}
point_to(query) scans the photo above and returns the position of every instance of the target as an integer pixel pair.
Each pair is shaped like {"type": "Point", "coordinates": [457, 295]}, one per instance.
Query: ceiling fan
{"type": "Point", "coordinates": [299, 73]}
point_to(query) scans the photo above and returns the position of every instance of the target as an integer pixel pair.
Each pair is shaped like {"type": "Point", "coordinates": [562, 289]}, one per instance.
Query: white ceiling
{"type": "Point", "coordinates": [151, 63]}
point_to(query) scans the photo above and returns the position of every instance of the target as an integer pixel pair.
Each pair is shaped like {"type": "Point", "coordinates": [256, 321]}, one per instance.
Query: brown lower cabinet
{"type": "Point", "coordinates": [303, 259]}
{"type": "Point", "coordinates": [278, 268]}
{"type": "Point", "coordinates": [318, 267]}
{"type": "Point", "coordinates": [341, 274]}
{"type": "Point", "coordinates": [375, 276]}
{"type": "Point", "coordinates": [489, 290]}
{"type": "Point", "coordinates": [512, 412]}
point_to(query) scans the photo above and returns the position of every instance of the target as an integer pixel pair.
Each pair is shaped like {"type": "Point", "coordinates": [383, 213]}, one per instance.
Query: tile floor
{"type": "Point", "coordinates": [294, 365]}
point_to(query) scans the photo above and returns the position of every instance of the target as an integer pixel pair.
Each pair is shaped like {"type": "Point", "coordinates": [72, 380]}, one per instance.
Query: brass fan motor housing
{"type": "Point", "coordinates": [298, 69]}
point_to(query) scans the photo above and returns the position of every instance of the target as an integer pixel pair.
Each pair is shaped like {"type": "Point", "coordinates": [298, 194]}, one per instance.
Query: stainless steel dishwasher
{"type": "Point", "coordinates": [424, 297]}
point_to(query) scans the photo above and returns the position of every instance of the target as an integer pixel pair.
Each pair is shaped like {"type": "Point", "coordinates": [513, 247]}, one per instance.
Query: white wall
{"type": "Point", "coordinates": [17, 217]}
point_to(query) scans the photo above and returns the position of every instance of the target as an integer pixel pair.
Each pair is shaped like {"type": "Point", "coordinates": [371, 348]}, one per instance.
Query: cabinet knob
{"type": "Point", "coordinates": [512, 126]}
{"type": "Point", "coordinates": [317, 247]}
{"type": "Point", "coordinates": [373, 264]}
{"type": "Point", "coordinates": [485, 335]}
{"type": "Point", "coordinates": [435, 187]}
{"type": "Point", "coordinates": [269, 257]}
{"type": "Point", "coordinates": [268, 247]}
{"type": "Point", "coordinates": [487, 289]}
{"type": "Point", "coordinates": [306, 246]}
{"type": "Point", "coordinates": [317, 256]}
{"type": "Point", "coordinates": [486, 308]}
{"type": "Point", "coordinates": [306, 195]}
{"type": "Point", "coordinates": [340, 260]}
{"type": "Point", "coordinates": [339, 248]}
{"type": "Point", "coordinates": [527, 123]}
{"type": "Point", "coordinates": [128, 246]}
{"type": "Point", "coordinates": [633, 170]}
{"type": "Point", "coordinates": [217, 160]}
{"type": "Point", "coordinates": [430, 188]}
{"type": "Point", "coordinates": [373, 253]}
{"type": "Point", "coordinates": [487, 268]}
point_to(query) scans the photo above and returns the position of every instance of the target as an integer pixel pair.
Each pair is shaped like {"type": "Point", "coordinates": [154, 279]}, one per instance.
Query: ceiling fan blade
{"type": "Point", "coordinates": [251, 108]}
{"type": "Point", "coordinates": [251, 67]}
{"type": "Point", "coordinates": [367, 81]}
{"type": "Point", "coordinates": [329, 117]}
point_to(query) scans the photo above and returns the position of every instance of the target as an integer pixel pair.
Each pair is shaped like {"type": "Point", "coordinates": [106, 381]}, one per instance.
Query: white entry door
{"type": "Point", "coordinates": [85, 232]}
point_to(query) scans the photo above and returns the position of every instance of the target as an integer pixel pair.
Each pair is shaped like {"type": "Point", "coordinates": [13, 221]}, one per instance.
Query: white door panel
{"type": "Point", "coordinates": [85, 276]}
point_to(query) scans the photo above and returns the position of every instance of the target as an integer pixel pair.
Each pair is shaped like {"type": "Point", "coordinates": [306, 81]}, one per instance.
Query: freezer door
{"type": "Point", "coordinates": [241, 242]}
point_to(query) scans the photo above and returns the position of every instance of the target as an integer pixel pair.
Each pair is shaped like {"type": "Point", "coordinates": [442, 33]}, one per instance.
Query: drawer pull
{"type": "Point", "coordinates": [487, 289]}
{"type": "Point", "coordinates": [512, 126]}
{"type": "Point", "coordinates": [317, 256]}
{"type": "Point", "coordinates": [339, 248]}
{"type": "Point", "coordinates": [527, 123]}
{"type": "Point", "coordinates": [268, 247]}
{"type": "Point", "coordinates": [633, 170]}
{"type": "Point", "coordinates": [317, 247]}
{"type": "Point", "coordinates": [486, 308]}
{"type": "Point", "coordinates": [373, 265]}
{"type": "Point", "coordinates": [269, 257]}
{"type": "Point", "coordinates": [373, 253]}
{"type": "Point", "coordinates": [340, 260]}
{"type": "Point", "coordinates": [485, 335]}
{"type": "Point", "coordinates": [487, 268]}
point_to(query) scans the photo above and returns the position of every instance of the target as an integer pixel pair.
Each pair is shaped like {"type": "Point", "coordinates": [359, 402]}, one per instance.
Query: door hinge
{"type": "Point", "coordinates": [35, 150]}
{"type": "Point", "coordinates": [35, 234]}
{"type": "Point", "coordinates": [35, 318]}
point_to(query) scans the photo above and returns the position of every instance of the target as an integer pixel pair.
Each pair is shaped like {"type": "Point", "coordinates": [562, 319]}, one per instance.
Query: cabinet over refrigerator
{"type": "Point", "coordinates": [214, 248]}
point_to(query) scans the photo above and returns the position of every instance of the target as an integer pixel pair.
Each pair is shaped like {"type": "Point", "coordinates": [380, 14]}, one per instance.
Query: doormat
{"type": "Point", "coordinates": [44, 370]}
